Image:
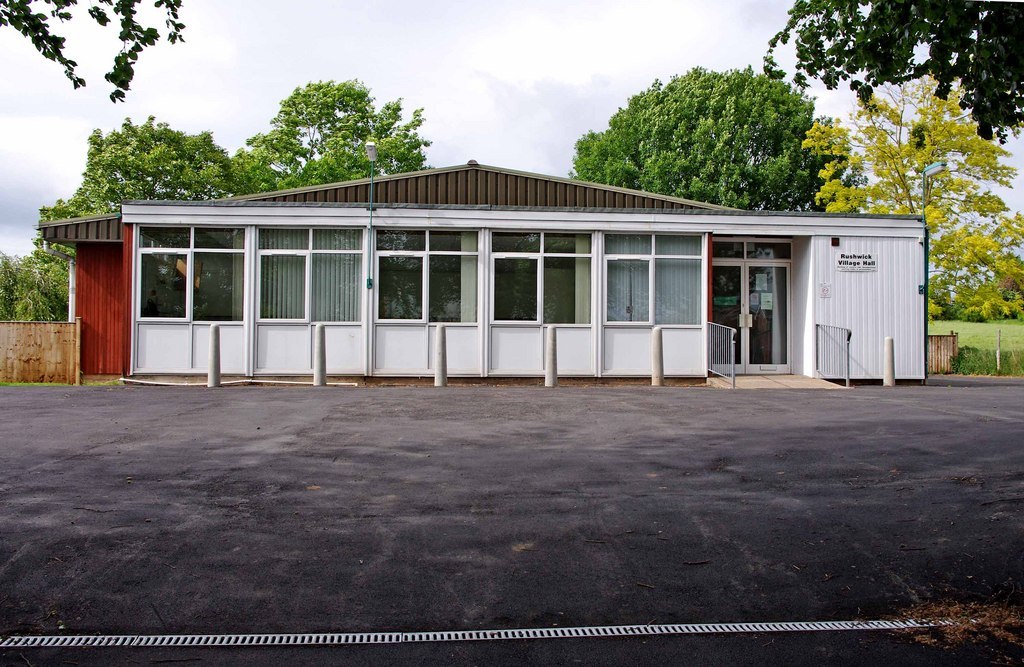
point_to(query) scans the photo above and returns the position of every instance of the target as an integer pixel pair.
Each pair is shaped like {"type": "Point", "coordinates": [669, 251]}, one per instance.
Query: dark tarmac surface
{"type": "Point", "coordinates": [140, 510]}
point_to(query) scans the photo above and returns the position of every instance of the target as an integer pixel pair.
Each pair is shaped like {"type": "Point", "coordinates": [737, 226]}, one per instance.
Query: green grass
{"type": "Point", "coordinates": [978, 346]}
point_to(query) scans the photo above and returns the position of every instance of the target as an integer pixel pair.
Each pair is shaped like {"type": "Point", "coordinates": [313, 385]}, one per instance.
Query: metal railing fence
{"type": "Point", "coordinates": [833, 352]}
{"type": "Point", "coordinates": [722, 351]}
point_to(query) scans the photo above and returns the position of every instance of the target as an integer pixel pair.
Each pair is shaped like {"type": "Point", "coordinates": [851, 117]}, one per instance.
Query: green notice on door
{"type": "Point", "coordinates": [726, 300]}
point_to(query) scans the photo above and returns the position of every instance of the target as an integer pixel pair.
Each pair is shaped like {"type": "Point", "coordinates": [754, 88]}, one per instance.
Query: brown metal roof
{"type": "Point", "coordinates": [470, 184]}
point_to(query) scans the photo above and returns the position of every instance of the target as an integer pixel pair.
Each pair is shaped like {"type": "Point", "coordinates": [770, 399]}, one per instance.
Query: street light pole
{"type": "Point", "coordinates": [931, 170]}
{"type": "Point", "coordinates": [371, 154]}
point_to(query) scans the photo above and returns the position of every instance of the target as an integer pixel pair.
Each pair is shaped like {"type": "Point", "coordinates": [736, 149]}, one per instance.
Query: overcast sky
{"type": "Point", "coordinates": [512, 84]}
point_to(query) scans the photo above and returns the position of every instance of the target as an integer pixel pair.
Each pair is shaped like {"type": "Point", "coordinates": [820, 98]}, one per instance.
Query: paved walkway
{"type": "Point", "coordinates": [774, 382]}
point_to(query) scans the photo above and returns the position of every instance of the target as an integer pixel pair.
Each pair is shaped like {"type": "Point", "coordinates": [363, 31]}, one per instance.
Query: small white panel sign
{"type": "Point", "coordinates": [848, 261]}
{"type": "Point", "coordinates": [825, 290]}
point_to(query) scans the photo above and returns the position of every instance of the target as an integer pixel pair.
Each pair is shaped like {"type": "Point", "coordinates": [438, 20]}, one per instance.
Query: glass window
{"type": "Point", "coordinates": [284, 239]}
{"type": "Point", "coordinates": [566, 290]}
{"type": "Point", "coordinates": [627, 244]}
{"type": "Point", "coordinates": [760, 250]}
{"type": "Point", "coordinates": [163, 237]}
{"type": "Point", "coordinates": [567, 243]}
{"type": "Point", "coordinates": [677, 289]}
{"type": "Point", "coordinates": [337, 239]}
{"type": "Point", "coordinates": [726, 248]}
{"type": "Point", "coordinates": [217, 287]}
{"type": "Point", "coordinates": [227, 239]}
{"type": "Point", "coordinates": [515, 289]}
{"type": "Point", "coordinates": [628, 290]}
{"type": "Point", "coordinates": [515, 242]}
{"type": "Point", "coordinates": [164, 277]}
{"type": "Point", "coordinates": [453, 241]}
{"type": "Point", "coordinates": [677, 245]}
{"type": "Point", "coordinates": [452, 287]}
{"type": "Point", "coordinates": [400, 289]}
{"type": "Point", "coordinates": [394, 239]}
{"type": "Point", "coordinates": [335, 283]}
{"type": "Point", "coordinates": [282, 286]}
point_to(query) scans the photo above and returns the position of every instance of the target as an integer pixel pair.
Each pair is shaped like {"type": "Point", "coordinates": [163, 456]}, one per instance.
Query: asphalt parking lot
{"type": "Point", "coordinates": [185, 510]}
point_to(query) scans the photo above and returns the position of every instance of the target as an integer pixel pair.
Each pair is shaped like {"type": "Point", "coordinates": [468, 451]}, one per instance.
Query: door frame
{"type": "Point", "coordinates": [743, 366]}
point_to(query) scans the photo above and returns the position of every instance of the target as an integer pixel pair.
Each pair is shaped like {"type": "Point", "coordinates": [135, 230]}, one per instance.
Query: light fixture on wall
{"type": "Point", "coordinates": [934, 169]}
{"type": "Point", "coordinates": [371, 155]}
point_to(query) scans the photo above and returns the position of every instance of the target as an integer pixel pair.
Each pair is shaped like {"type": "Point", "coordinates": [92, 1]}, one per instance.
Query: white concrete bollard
{"type": "Point", "coordinates": [657, 358]}
{"type": "Point", "coordinates": [213, 360]}
{"type": "Point", "coordinates": [319, 356]}
{"type": "Point", "coordinates": [441, 357]}
{"type": "Point", "coordinates": [889, 364]}
{"type": "Point", "coordinates": [551, 358]}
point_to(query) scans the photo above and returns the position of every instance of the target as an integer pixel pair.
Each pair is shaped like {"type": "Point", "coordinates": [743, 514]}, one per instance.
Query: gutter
{"type": "Point", "coordinates": [71, 276]}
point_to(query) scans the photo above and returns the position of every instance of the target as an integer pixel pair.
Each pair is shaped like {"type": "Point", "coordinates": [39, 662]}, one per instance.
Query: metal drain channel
{"type": "Point", "coordinates": [349, 638]}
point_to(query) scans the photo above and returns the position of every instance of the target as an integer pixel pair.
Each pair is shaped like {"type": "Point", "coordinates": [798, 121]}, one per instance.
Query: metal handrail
{"type": "Point", "coordinates": [832, 360]}
{"type": "Point", "coordinates": [722, 351]}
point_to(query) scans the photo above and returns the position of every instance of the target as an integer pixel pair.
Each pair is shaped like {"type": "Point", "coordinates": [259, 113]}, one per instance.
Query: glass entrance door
{"type": "Point", "coordinates": [753, 298]}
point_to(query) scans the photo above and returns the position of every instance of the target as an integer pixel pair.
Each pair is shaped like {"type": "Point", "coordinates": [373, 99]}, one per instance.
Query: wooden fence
{"type": "Point", "coordinates": [942, 349]}
{"type": "Point", "coordinates": [41, 352]}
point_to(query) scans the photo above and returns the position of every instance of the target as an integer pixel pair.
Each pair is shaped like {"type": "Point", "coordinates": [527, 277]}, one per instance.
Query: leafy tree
{"type": "Point", "coordinates": [975, 238]}
{"type": "Point", "coordinates": [34, 287]}
{"type": "Point", "coordinates": [318, 136]}
{"type": "Point", "coordinates": [731, 138]}
{"type": "Point", "coordinates": [870, 43]}
{"type": "Point", "coordinates": [25, 17]}
{"type": "Point", "coordinates": [147, 161]}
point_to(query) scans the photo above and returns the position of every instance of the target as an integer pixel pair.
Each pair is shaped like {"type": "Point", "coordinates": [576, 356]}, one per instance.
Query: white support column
{"type": "Point", "coordinates": [889, 364]}
{"type": "Point", "coordinates": [657, 358]}
{"type": "Point", "coordinates": [213, 372]}
{"type": "Point", "coordinates": [319, 356]}
{"type": "Point", "coordinates": [551, 358]}
{"type": "Point", "coordinates": [441, 357]}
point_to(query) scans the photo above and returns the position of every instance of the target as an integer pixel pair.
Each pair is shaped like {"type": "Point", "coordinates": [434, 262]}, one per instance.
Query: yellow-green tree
{"type": "Point", "coordinates": [976, 240]}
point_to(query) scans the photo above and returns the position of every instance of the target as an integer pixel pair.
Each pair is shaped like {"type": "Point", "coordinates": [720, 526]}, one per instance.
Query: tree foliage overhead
{"type": "Point", "coordinates": [319, 136]}
{"type": "Point", "coordinates": [870, 43]}
{"type": "Point", "coordinates": [35, 20]}
{"type": "Point", "coordinates": [732, 138]}
{"type": "Point", "coordinates": [146, 161]}
{"type": "Point", "coordinates": [976, 240]}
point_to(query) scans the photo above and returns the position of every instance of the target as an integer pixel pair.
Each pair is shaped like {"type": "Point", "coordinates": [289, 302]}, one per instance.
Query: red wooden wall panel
{"type": "Point", "coordinates": [101, 305]}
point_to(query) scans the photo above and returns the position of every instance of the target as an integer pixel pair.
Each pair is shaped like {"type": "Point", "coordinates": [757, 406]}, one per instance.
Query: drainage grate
{"type": "Point", "coordinates": [338, 639]}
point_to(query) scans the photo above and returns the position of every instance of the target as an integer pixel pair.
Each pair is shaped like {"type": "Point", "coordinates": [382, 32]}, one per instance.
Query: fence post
{"type": "Point", "coordinates": [849, 335]}
{"type": "Point", "coordinates": [657, 358]}
{"type": "Point", "coordinates": [319, 356]}
{"type": "Point", "coordinates": [78, 350]}
{"type": "Point", "coordinates": [732, 358]}
{"type": "Point", "coordinates": [213, 372]}
{"type": "Point", "coordinates": [551, 358]}
{"type": "Point", "coordinates": [889, 364]}
{"type": "Point", "coordinates": [441, 357]}
{"type": "Point", "coordinates": [999, 351]}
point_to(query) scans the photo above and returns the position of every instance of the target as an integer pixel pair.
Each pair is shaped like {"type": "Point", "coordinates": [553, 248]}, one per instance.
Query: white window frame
{"type": "Point", "coordinates": [650, 258]}
{"type": "Point", "coordinates": [539, 256]}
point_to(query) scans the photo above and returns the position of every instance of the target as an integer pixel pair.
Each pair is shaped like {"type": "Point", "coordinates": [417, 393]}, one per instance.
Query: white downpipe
{"type": "Point", "coordinates": [72, 287]}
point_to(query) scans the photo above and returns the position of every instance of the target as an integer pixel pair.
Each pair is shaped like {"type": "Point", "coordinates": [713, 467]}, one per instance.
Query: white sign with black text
{"type": "Point", "coordinates": [849, 261]}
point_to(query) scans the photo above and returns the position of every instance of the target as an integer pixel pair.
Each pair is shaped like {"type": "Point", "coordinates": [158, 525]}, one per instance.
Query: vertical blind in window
{"type": "Point", "coordinates": [282, 286]}
{"type": "Point", "coordinates": [336, 279]}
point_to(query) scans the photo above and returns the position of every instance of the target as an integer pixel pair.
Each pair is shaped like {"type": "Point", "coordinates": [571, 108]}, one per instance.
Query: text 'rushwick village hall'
{"type": "Point", "coordinates": [497, 256]}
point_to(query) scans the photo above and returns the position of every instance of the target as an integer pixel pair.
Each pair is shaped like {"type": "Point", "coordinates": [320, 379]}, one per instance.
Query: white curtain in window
{"type": "Point", "coordinates": [677, 291]}
{"type": "Point", "coordinates": [335, 284]}
{"type": "Point", "coordinates": [282, 286]}
{"type": "Point", "coordinates": [628, 290]}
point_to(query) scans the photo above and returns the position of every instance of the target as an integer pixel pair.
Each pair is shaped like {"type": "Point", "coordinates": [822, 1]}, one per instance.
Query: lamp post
{"type": "Point", "coordinates": [371, 154]}
{"type": "Point", "coordinates": [931, 170]}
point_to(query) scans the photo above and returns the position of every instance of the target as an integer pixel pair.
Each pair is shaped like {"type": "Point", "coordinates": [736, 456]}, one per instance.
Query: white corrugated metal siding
{"type": "Point", "coordinates": [874, 304]}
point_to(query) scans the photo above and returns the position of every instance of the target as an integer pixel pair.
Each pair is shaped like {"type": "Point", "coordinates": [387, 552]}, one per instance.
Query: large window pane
{"type": "Point", "coordinates": [217, 287]}
{"type": "Point", "coordinates": [232, 239]}
{"type": "Point", "coordinates": [394, 239]}
{"type": "Point", "coordinates": [400, 288]}
{"type": "Point", "coordinates": [726, 248]}
{"type": "Point", "coordinates": [515, 242]}
{"type": "Point", "coordinates": [337, 239]}
{"type": "Point", "coordinates": [163, 237]}
{"type": "Point", "coordinates": [284, 239]}
{"type": "Point", "coordinates": [163, 285]}
{"type": "Point", "coordinates": [574, 243]}
{"type": "Point", "coordinates": [515, 289]}
{"type": "Point", "coordinates": [453, 241]}
{"type": "Point", "coordinates": [768, 250]}
{"type": "Point", "coordinates": [676, 245]}
{"type": "Point", "coordinates": [627, 244]}
{"type": "Point", "coordinates": [628, 290]}
{"type": "Point", "coordinates": [335, 284]}
{"type": "Point", "coordinates": [677, 288]}
{"type": "Point", "coordinates": [282, 287]}
{"type": "Point", "coordinates": [567, 290]}
{"type": "Point", "coordinates": [452, 288]}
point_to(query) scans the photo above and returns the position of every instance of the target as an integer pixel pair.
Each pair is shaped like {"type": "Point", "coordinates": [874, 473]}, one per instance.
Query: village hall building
{"type": "Point", "coordinates": [497, 256]}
